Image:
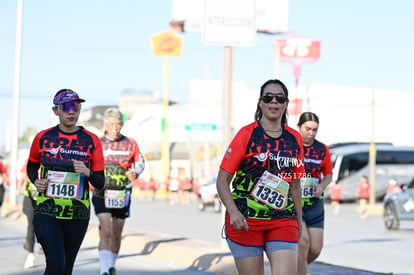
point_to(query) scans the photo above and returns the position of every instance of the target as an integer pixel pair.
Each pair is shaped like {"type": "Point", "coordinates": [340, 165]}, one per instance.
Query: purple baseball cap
{"type": "Point", "coordinates": [66, 95]}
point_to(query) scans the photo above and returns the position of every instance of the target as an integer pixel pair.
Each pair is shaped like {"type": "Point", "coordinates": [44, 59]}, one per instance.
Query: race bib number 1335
{"type": "Point", "coordinates": [271, 190]}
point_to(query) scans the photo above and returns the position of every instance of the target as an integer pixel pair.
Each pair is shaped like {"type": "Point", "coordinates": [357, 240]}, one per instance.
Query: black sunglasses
{"type": "Point", "coordinates": [280, 97]}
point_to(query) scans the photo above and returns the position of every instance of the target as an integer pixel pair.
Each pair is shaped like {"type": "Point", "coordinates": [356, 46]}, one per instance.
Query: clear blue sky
{"type": "Point", "coordinates": [100, 47]}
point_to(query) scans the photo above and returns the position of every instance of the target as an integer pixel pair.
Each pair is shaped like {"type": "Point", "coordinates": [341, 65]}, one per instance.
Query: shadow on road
{"type": "Point", "coordinates": [206, 261]}
{"type": "Point", "coordinates": [151, 246]}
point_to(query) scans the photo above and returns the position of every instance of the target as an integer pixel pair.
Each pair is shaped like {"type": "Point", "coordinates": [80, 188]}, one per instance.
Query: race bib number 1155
{"type": "Point", "coordinates": [115, 198]}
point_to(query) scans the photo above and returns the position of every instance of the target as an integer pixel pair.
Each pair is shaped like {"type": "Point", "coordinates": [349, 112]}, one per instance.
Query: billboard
{"type": "Point", "coordinates": [300, 47]}
{"type": "Point", "coordinates": [227, 26]}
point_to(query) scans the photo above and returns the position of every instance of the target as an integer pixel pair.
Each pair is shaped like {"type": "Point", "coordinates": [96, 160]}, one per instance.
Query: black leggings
{"type": "Point", "coordinates": [60, 240]}
{"type": "Point", "coordinates": [2, 193]}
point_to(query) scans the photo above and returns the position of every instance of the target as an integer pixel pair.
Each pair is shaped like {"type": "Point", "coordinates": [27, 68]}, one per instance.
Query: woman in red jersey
{"type": "Point", "coordinates": [336, 191]}
{"type": "Point", "coordinates": [69, 158]}
{"type": "Point", "coordinates": [318, 169]}
{"type": "Point", "coordinates": [363, 195]}
{"type": "Point", "coordinates": [264, 205]}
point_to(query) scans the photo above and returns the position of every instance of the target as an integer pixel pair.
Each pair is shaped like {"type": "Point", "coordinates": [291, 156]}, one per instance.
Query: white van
{"type": "Point", "coordinates": [351, 162]}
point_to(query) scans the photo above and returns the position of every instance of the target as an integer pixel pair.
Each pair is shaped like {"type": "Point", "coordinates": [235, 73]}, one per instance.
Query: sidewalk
{"type": "Point", "coordinates": [189, 253]}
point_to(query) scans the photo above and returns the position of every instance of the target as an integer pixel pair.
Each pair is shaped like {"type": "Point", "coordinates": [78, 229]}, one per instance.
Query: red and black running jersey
{"type": "Point", "coordinates": [55, 151]}
{"type": "Point", "coordinates": [317, 163]}
{"type": "Point", "coordinates": [250, 154]}
{"type": "Point", "coordinates": [119, 155]}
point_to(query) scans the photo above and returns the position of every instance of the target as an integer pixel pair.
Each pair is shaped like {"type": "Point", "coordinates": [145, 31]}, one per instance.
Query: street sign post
{"type": "Point", "coordinates": [229, 23]}
{"type": "Point", "coordinates": [166, 44]}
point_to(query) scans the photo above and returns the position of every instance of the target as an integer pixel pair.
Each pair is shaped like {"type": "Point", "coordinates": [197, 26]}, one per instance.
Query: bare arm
{"type": "Point", "coordinates": [297, 198]}
{"type": "Point", "coordinates": [237, 219]}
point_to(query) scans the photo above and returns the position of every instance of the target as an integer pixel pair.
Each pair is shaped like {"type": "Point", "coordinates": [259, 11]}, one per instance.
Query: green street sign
{"type": "Point", "coordinates": [201, 126]}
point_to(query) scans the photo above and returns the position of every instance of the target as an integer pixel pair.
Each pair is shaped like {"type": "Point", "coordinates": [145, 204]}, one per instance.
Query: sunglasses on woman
{"type": "Point", "coordinates": [280, 97]}
{"type": "Point", "coordinates": [71, 105]}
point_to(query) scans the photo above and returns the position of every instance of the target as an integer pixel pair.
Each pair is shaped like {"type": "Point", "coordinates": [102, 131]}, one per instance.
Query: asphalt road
{"type": "Point", "coordinates": [352, 246]}
{"type": "Point", "coordinates": [367, 244]}
{"type": "Point", "coordinates": [182, 220]}
{"type": "Point", "coordinates": [349, 241]}
{"type": "Point", "coordinates": [12, 233]}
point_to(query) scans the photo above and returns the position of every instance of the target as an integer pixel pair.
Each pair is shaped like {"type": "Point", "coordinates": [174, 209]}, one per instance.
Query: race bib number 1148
{"type": "Point", "coordinates": [63, 184]}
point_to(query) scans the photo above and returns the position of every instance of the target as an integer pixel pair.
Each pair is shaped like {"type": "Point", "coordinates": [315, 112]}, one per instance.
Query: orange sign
{"type": "Point", "coordinates": [166, 44]}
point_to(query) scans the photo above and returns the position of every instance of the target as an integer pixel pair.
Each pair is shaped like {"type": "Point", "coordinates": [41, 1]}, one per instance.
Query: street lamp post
{"type": "Point", "coordinates": [16, 98]}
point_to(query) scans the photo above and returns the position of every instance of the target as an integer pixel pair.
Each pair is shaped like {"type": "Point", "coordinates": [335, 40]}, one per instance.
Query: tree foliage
{"type": "Point", "coordinates": [28, 135]}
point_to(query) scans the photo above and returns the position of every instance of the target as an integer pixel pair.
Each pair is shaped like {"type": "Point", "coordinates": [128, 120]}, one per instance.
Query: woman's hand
{"type": "Point", "coordinates": [238, 221]}
{"type": "Point", "coordinates": [81, 168]}
{"type": "Point", "coordinates": [318, 191]}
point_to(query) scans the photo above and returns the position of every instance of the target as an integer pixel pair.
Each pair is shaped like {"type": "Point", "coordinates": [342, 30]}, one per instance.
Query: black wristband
{"type": "Point", "coordinates": [90, 173]}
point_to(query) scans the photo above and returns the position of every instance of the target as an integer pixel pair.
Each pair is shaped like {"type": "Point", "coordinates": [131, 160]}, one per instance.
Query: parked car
{"type": "Point", "coordinates": [399, 206]}
{"type": "Point", "coordinates": [350, 162]}
{"type": "Point", "coordinates": [207, 195]}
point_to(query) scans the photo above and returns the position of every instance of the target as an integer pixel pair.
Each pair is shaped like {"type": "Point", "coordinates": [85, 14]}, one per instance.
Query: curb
{"type": "Point", "coordinates": [376, 209]}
